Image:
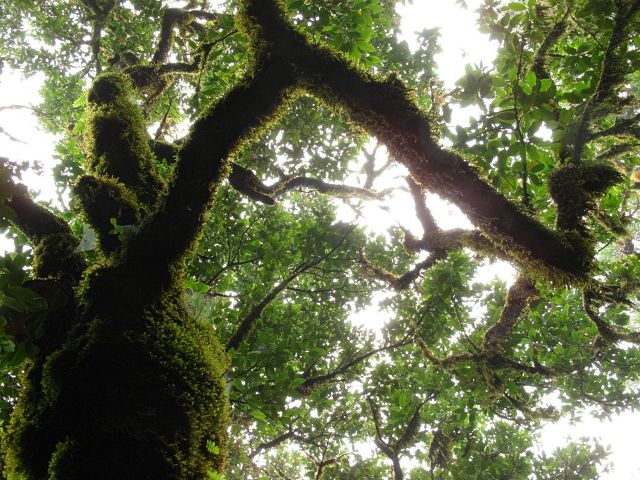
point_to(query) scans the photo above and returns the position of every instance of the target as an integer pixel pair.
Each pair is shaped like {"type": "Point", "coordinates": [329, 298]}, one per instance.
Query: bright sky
{"type": "Point", "coordinates": [461, 44]}
{"type": "Point", "coordinates": [34, 145]}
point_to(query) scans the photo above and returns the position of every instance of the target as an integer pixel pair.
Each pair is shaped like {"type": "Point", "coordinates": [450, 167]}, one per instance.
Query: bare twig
{"type": "Point", "coordinates": [254, 314]}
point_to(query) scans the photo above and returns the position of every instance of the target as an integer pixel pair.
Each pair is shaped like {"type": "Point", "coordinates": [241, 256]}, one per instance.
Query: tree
{"type": "Point", "coordinates": [170, 323]}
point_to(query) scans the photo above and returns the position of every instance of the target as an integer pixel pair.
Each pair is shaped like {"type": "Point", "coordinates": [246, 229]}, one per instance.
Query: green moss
{"type": "Point", "coordinates": [104, 198]}
{"type": "Point", "coordinates": [55, 254]}
{"type": "Point", "coordinates": [135, 393]}
{"type": "Point", "coordinates": [581, 246]}
{"type": "Point", "coordinates": [116, 138]}
{"type": "Point", "coordinates": [575, 187]}
{"type": "Point", "coordinates": [148, 78]}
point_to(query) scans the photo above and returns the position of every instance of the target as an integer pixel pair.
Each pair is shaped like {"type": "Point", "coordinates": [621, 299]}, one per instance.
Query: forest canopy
{"type": "Point", "coordinates": [188, 307]}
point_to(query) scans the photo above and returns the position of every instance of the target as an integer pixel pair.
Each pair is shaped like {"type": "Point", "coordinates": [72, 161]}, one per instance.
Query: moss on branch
{"type": "Point", "coordinates": [576, 187]}
{"type": "Point", "coordinates": [117, 141]}
{"type": "Point", "coordinates": [104, 199]}
{"type": "Point", "coordinates": [519, 296]}
{"type": "Point", "coordinates": [135, 392]}
{"type": "Point", "coordinates": [386, 108]}
{"type": "Point", "coordinates": [202, 164]}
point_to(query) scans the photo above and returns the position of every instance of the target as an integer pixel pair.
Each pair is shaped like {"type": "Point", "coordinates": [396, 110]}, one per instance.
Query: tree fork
{"type": "Point", "coordinates": [136, 391]}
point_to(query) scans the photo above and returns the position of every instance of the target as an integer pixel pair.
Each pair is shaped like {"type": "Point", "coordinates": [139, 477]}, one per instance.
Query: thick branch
{"type": "Point", "coordinates": [539, 66]}
{"type": "Point", "coordinates": [518, 298]}
{"type": "Point", "coordinates": [34, 220]}
{"type": "Point", "coordinates": [397, 468]}
{"type": "Point", "coordinates": [53, 241]}
{"type": "Point", "coordinates": [383, 107]}
{"type": "Point", "coordinates": [612, 73]}
{"type": "Point", "coordinates": [203, 163]}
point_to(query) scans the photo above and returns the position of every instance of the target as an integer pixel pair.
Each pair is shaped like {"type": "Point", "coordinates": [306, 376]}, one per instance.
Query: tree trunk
{"type": "Point", "coordinates": [134, 393]}
{"type": "Point", "coordinates": [127, 385]}
{"type": "Point", "coordinates": [397, 469]}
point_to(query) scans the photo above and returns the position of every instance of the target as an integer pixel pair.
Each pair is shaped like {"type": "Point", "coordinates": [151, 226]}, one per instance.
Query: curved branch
{"type": "Point", "coordinates": [405, 440]}
{"type": "Point", "coordinates": [247, 183]}
{"type": "Point", "coordinates": [413, 427]}
{"type": "Point", "coordinates": [439, 449]}
{"type": "Point", "coordinates": [605, 329]}
{"type": "Point", "coordinates": [173, 18]}
{"type": "Point", "coordinates": [101, 12]}
{"type": "Point", "coordinates": [446, 362]}
{"type": "Point", "coordinates": [321, 186]}
{"type": "Point", "coordinates": [521, 293]}
{"type": "Point", "coordinates": [272, 443]}
{"type": "Point", "coordinates": [401, 282]}
{"type": "Point", "coordinates": [622, 127]}
{"type": "Point", "coordinates": [53, 241]}
{"type": "Point", "coordinates": [370, 166]}
{"type": "Point", "coordinates": [440, 243]}
{"type": "Point", "coordinates": [10, 137]}
{"type": "Point", "coordinates": [34, 220]}
{"type": "Point", "coordinates": [384, 108]}
{"type": "Point", "coordinates": [612, 73]}
{"type": "Point", "coordinates": [425, 216]}
{"type": "Point", "coordinates": [254, 314]}
{"type": "Point", "coordinates": [490, 359]}
{"type": "Point", "coordinates": [377, 422]}
{"type": "Point", "coordinates": [202, 164]}
{"type": "Point", "coordinates": [156, 76]}
{"type": "Point", "coordinates": [539, 66]}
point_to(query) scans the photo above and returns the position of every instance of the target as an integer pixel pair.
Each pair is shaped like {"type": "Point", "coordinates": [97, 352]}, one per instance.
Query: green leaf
{"type": "Point", "coordinates": [518, 7]}
{"type": "Point", "coordinates": [258, 415]}
{"type": "Point", "coordinates": [23, 300]}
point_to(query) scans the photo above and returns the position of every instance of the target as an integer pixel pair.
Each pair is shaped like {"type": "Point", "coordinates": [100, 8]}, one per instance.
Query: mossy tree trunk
{"type": "Point", "coordinates": [127, 384]}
